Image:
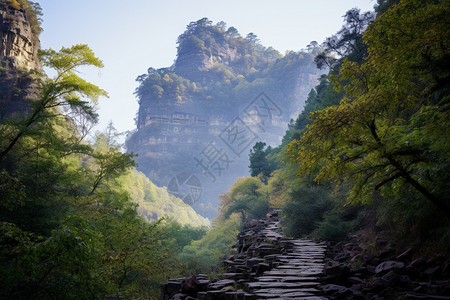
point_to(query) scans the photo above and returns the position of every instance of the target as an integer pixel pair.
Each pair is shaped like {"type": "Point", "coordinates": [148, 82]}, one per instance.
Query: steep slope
{"type": "Point", "coordinates": [18, 55]}
{"type": "Point", "coordinates": [198, 118]}
{"type": "Point", "coordinates": [155, 202]}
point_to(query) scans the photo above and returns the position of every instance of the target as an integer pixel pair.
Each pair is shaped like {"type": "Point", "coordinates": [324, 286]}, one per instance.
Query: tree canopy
{"type": "Point", "coordinates": [390, 130]}
{"type": "Point", "coordinates": [69, 228]}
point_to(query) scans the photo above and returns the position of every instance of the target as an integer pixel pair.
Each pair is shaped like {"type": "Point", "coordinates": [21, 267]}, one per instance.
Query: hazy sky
{"type": "Point", "coordinates": [131, 36]}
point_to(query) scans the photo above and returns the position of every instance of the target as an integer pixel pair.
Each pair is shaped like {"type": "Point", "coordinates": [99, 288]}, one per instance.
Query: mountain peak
{"type": "Point", "coordinates": [204, 45]}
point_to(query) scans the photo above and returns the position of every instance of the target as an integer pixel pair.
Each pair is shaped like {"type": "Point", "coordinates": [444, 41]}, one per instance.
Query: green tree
{"type": "Point", "coordinates": [201, 255]}
{"type": "Point", "coordinates": [68, 228]}
{"type": "Point", "coordinates": [177, 236]}
{"type": "Point", "coordinates": [347, 42]}
{"type": "Point", "coordinates": [259, 164]}
{"type": "Point", "coordinates": [109, 163]}
{"type": "Point", "coordinates": [221, 25]}
{"type": "Point", "coordinates": [251, 37]}
{"type": "Point", "coordinates": [66, 89]}
{"type": "Point", "coordinates": [248, 197]}
{"type": "Point", "coordinates": [233, 33]}
{"type": "Point", "coordinates": [390, 132]}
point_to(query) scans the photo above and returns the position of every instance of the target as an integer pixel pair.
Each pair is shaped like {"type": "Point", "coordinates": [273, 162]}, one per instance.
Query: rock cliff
{"type": "Point", "coordinates": [18, 55]}
{"type": "Point", "coordinates": [194, 60]}
{"type": "Point", "coordinates": [202, 115]}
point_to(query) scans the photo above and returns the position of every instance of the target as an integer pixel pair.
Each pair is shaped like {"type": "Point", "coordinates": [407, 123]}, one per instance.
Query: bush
{"type": "Point", "coordinates": [305, 210]}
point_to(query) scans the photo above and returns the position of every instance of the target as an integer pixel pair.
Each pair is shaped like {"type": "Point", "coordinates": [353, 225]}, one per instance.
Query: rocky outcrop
{"type": "Point", "coordinates": [268, 265]}
{"type": "Point", "coordinates": [195, 62]}
{"type": "Point", "coordinates": [18, 44]}
{"type": "Point", "coordinates": [18, 55]}
{"type": "Point", "coordinates": [352, 272]}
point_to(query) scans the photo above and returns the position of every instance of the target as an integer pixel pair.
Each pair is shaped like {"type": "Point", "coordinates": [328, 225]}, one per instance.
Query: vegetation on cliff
{"type": "Point", "coordinates": [156, 203]}
{"type": "Point", "coordinates": [218, 68]}
{"type": "Point", "coordinates": [369, 151]}
{"type": "Point", "coordinates": [33, 11]}
{"type": "Point", "coordinates": [216, 74]}
{"type": "Point", "coordinates": [20, 44]}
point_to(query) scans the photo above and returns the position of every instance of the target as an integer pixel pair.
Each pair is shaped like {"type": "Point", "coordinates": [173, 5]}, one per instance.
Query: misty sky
{"type": "Point", "coordinates": [131, 36]}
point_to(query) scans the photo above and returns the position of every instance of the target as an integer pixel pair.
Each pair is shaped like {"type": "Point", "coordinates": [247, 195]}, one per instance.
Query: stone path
{"type": "Point", "coordinates": [267, 265]}
{"type": "Point", "coordinates": [296, 269]}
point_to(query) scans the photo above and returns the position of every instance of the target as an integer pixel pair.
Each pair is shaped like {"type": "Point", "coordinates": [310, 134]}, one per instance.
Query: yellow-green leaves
{"type": "Point", "coordinates": [66, 89]}
{"type": "Point", "coordinates": [66, 62]}
{"type": "Point", "coordinates": [248, 197]}
{"type": "Point", "coordinates": [394, 102]}
{"type": "Point", "coordinates": [68, 59]}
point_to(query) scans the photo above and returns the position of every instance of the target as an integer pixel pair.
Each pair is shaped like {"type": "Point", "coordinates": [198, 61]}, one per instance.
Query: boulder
{"type": "Point", "coordinates": [334, 289]}
{"type": "Point", "coordinates": [332, 267]}
{"type": "Point", "coordinates": [190, 286]}
{"type": "Point", "coordinates": [386, 266]}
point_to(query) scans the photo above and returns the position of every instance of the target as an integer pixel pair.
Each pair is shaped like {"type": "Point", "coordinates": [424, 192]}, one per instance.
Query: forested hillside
{"type": "Point", "coordinates": [155, 202]}
{"type": "Point", "coordinates": [69, 212]}
{"type": "Point", "coordinates": [370, 151]}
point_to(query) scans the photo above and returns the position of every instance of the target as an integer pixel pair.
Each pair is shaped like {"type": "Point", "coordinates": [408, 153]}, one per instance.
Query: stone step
{"type": "Point", "coordinates": [300, 256]}
{"type": "Point", "coordinates": [285, 291]}
{"type": "Point", "coordinates": [300, 267]}
{"type": "Point", "coordinates": [300, 259]}
{"type": "Point", "coordinates": [269, 266]}
{"type": "Point", "coordinates": [291, 298]}
{"type": "Point", "coordinates": [280, 285]}
{"type": "Point", "coordinates": [277, 293]}
{"type": "Point", "coordinates": [286, 278]}
{"type": "Point", "coordinates": [306, 251]}
{"type": "Point", "coordinates": [304, 262]}
{"type": "Point", "coordinates": [288, 272]}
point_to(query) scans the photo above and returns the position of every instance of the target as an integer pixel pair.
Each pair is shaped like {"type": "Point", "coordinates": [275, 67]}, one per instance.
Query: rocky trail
{"type": "Point", "coordinates": [353, 272]}
{"type": "Point", "coordinates": [293, 267]}
{"type": "Point", "coordinates": [268, 265]}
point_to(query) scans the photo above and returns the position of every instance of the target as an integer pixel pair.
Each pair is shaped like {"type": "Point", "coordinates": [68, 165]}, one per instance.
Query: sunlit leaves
{"type": "Point", "coordinates": [200, 255]}
{"type": "Point", "coordinates": [374, 137]}
{"type": "Point", "coordinates": [93, 244]}
{"type": "Point", "coordinates": [248, 198]}
{"type": "Point", "coordinates": [66, 89]}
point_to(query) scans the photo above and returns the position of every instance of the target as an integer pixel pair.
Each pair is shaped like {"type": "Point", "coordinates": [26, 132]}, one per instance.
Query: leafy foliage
{"type": "Point", "coordinates": [178, 236]}
{"type": "Point", "coordinates": [306, 209]}
{"type": "Point", "coordinates": [374, 136]}
{"type": "Point", "coordinates": [259, 164]}
{"type": "Point", "coordinates": [347, 42]}
{"type": "Point", "coordinates": [156, 203]}
{"type": "Point", "coordinates": [247, 197]}
{"type": "Point", "coordinates": [69, 228]}
{"type": "Point", "coordinates": [201, 255]}
{"type": "Point", "coordinates": [371, 145]}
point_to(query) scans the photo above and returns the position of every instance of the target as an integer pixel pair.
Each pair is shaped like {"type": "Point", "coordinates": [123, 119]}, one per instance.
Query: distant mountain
{"type": "Point", "coordinates": [201, 116]}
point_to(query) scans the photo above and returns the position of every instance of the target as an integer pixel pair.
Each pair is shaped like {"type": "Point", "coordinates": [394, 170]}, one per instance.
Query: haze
{"type": "Point", "coordinates": [132, 36]}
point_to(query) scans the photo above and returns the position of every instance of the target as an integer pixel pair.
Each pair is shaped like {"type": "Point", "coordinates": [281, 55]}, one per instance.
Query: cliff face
{"type": "Point", "coordinates": [18, 55]}
{"type": "Point", "coordinates": [201, 116]}
{"type": "Point", "coordinates": [200, 53]}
